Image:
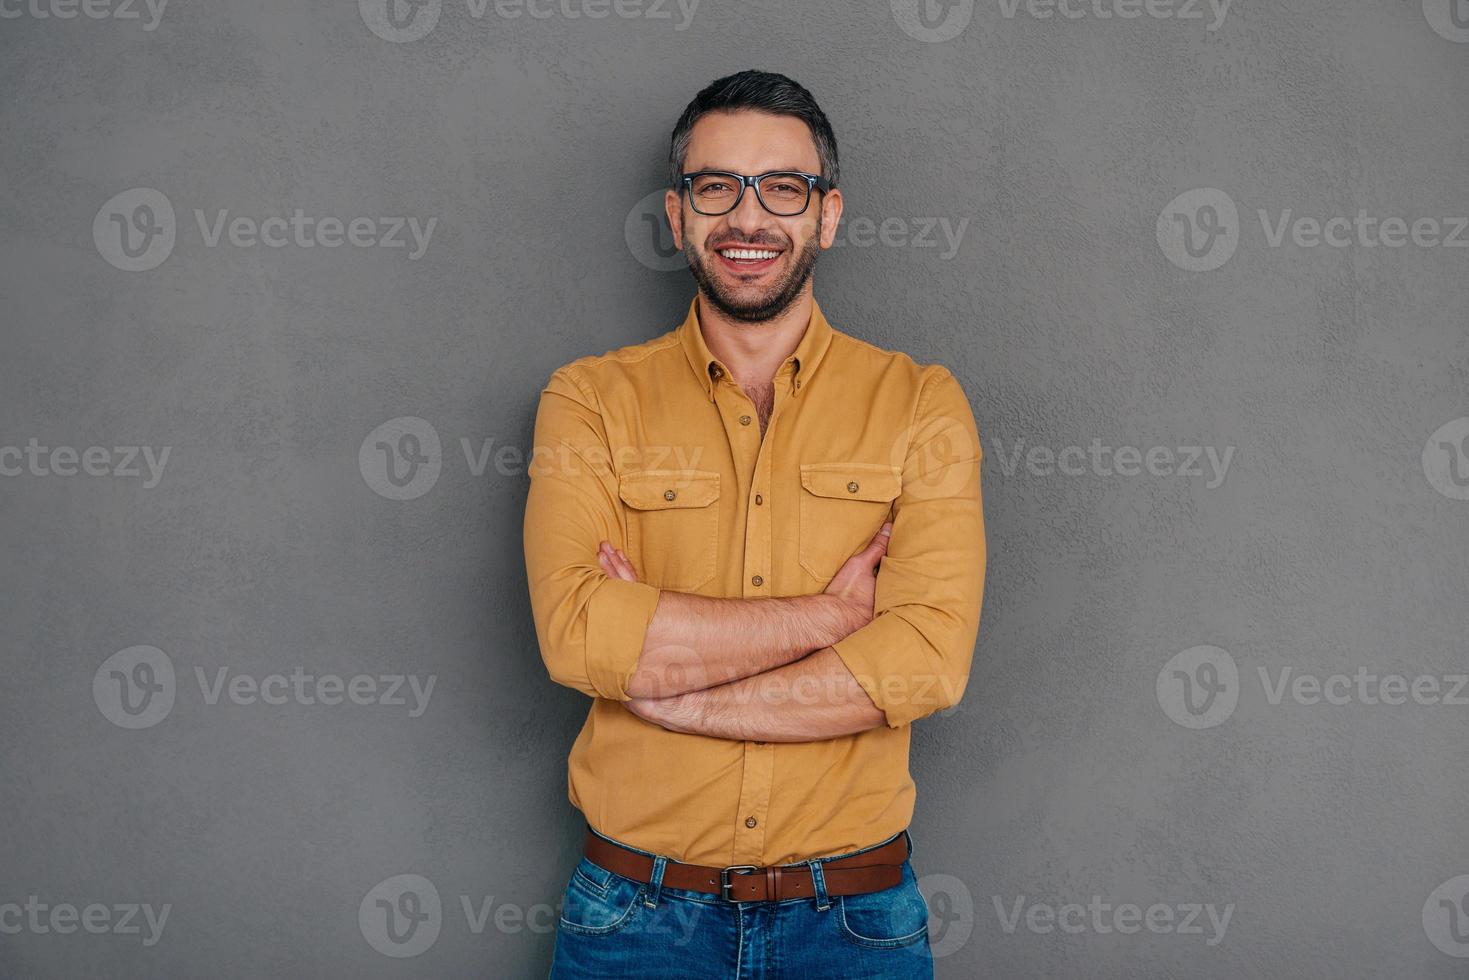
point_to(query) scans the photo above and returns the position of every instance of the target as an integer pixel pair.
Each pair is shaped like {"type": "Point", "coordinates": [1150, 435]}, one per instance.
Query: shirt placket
{"type": "Point", "coordinates": [757, 581]}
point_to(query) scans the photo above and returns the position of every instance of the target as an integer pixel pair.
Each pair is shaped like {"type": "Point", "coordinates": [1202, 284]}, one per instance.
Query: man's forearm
{"type": "Point", "coordinates": [812, 699]}
{"type": "Point", "coordinates": [695, 642]}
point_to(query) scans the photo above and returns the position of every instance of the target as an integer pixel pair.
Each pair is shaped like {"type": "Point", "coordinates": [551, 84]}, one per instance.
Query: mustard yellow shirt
{"type": "Point", "coordinates": [656, 448]}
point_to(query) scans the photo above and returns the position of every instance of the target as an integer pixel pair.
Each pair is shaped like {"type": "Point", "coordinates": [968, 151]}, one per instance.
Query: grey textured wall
{"type": "Point", "coordinates": [1217, 722]}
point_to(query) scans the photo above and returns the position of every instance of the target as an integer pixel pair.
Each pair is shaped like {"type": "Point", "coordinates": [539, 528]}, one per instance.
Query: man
{"type": "Point", "coordinates": [757, 543]}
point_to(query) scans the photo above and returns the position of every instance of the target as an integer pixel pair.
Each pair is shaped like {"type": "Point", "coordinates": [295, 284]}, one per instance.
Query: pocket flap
{"type": "Point", "coordinates": [668, 489]}
{"type": "Point", "coordinates": [853, 481]}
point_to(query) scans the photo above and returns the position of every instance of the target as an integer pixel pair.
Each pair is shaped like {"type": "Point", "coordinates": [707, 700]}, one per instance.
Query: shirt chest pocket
{"type": "Point", "coordinates": [672, 526]}
{"type": "Point", "coordinates": [842, 507]}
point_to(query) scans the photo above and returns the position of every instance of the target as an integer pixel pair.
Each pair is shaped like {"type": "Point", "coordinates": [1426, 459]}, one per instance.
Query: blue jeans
{"type": "Point", "coordinates": [613, 926]}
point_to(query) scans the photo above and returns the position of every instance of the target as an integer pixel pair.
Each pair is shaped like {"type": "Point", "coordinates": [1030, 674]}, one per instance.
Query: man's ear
{"type": "Point", "coordinates": [831, 213]}
{"type": "Point", "coordinates": [673, 206]}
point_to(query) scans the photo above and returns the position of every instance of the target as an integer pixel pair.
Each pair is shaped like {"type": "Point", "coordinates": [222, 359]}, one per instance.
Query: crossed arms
{"type": "Point", "coordinates": [872, 649]}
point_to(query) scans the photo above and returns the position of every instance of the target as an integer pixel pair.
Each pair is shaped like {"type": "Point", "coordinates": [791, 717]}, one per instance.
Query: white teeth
{"type": "Point", "coordinates": [747, 253]}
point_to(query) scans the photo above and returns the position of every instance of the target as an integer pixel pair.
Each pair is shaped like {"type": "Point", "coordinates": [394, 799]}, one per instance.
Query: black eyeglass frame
{"type": "Point", "coordinates": [813, 182]}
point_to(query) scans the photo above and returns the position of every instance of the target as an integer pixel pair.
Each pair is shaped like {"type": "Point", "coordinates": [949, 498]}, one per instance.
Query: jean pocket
{"type": "Point", "coordinates": [886, 919]}
{"type": "Point", "coordinates": [598, 902]}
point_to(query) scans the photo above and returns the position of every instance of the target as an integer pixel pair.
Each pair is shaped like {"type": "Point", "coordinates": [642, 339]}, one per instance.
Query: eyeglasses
{"type": "Point", "coordinates": [785, 193]}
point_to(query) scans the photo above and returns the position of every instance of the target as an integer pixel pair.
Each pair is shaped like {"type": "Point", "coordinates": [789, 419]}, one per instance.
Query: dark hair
{"type": "Point", "coordinates": [763, 91]}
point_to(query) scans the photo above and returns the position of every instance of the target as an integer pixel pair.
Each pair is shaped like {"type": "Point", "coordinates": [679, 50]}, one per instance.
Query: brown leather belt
{"type": "Point", "coordinates": [856, 874]}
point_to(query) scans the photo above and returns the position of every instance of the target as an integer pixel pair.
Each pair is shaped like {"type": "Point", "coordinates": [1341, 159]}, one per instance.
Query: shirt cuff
{"type": "Point", "coordinates": [618, 615]}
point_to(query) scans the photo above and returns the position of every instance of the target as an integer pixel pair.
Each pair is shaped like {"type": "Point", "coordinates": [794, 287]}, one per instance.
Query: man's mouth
{"type": "Point", "coordinates": [748, 259]}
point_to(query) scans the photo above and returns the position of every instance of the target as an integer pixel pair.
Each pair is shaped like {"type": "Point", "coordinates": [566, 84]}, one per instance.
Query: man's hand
{"type": "Point", "coordinates": [615, 563]}
{"type": "Point", "coordinates": [855, 583]}
{"type": "Point", "coordinates": [678, 713]}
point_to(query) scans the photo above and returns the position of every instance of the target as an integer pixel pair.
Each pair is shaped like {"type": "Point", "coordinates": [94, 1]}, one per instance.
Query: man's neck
{"type": "Point", "coordinates": [753, 352]}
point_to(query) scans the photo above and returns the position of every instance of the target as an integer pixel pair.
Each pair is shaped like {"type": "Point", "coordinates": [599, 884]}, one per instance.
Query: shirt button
{"type": "Point", "coordinates": [669, 494]}
{"type": "Point", "coordinates": [757, 580]}
{"type": "Point", "coordinates": [744, 420]}
{"type": "Point", "coordinates": [750, 821]}
{"type": "Point", "coordinates": [851, 488]}
{"type": "Point", "coordinates": [759, 500]}
{"type": "Point", "coordinates": [717, 371]}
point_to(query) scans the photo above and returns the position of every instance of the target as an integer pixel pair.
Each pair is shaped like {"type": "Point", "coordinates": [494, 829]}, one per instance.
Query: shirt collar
{"type": "Point", "coordinates": [803, 360]}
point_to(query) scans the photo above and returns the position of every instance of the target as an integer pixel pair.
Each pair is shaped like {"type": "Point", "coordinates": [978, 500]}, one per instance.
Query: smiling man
{"type": "Point", "coordinates": [757, 543]}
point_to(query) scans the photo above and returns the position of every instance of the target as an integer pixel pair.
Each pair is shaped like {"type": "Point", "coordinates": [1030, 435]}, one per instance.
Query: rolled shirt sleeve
{"type": "Point", "coordinates": [913, 658]}
{"type": "Point", "coordinates": [590, 626]}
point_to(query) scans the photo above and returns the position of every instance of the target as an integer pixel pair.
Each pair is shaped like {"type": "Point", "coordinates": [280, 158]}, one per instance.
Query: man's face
{"type": "Point", "coordinates": [749, 142]}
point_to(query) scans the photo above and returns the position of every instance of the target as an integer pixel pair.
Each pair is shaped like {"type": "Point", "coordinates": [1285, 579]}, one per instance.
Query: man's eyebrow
{"type": "Point", "coordinates": [772, 170]}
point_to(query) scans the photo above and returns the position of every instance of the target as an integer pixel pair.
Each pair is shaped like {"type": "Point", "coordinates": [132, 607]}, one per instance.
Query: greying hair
{"type": "Point", "coordinates": [763, 91]}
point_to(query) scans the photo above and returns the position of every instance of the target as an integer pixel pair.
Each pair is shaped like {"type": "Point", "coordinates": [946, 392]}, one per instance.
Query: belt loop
{"type": "Point", "coordinates": [655, 883]}
{"type": "Point", "coordinates": [823, 901]}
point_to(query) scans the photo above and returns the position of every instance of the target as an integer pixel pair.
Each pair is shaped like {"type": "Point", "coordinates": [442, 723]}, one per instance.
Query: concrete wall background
{"type": "Point", "coordinates": [1063, 205]}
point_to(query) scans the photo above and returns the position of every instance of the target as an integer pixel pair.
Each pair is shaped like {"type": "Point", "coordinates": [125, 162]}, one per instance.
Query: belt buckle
{"type": "Point", "coordinates": [724, 883]}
